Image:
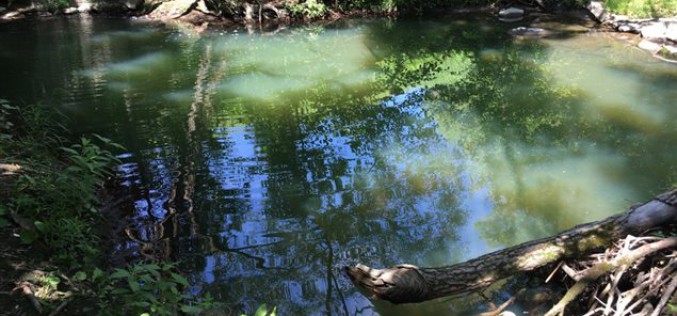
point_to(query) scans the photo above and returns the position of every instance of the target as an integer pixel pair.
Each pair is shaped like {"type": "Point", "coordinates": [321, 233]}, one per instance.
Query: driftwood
{"type": "Point", "coordinates": [409, 284]}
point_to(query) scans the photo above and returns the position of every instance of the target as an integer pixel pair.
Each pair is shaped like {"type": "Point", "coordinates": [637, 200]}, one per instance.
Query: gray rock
{"type": "Point", "coordinates": [133, 4]}
{"type": "Point", "coordinates": [2, 9]}
{"type": "Point", "coordinates": [671, 32]}
{"type": "Point", "coordinates": [597, 9]}
{"type": "Point", "coordinates": [649, 45]}
{"type": "Point", "coordinates": [70, 10]}
{"type": "Point", "coordinates": [654, 31]}
{"type": "Point", "coordinates": [511, 12]}
{"type": "Point", "coordinates": [511, 19]}
{"type": "Point", "coordinates": [85, 7]}
{"type": "Point", "coordinates": [529, 32]}
{"type": "Point", "coordinates": [627, 28]}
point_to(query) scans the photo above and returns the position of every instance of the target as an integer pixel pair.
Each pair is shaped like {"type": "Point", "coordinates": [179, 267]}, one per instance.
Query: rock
{"type": "Point", "coordinates": [70, 10]}
{"type": "Point", "coordinates": [627, 28]}
{"type": "Point", "coordinates": [85, 7]}
{"type": "Point", "coordinates": [597, 9]}
{"type": "Point", "coordinates": [511, 12]}
{"type": "Point", "coordinates": [511, 20]}
{"type": "Point", "coordinates": [654, 31]}
{"type": "Point", "coordinates": [671, 32]}
{"type": "Point", "coordinates": [649, 45]}
{"type": "Point", "coordinates": [668, 51]}
{"type": "Point", "coordinates": [132, 4]}
{"type": "Point", "coordinates": [2, 9]}
{"type": "Point", "coordinates": [529, 32]}
{"type": "Point", "coordinates": [172, 9]}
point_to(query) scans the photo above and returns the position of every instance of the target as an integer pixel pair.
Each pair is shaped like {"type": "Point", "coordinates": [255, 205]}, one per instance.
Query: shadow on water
{"type": "Point", "coordinates": [265, 164]}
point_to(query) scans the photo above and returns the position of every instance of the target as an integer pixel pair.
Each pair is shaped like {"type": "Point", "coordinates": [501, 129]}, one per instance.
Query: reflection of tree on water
{"type": "Point", "coordinates": [498, 101]}
{"type": "Point", "coordinates": [327, 194]}
{"type": "Point", "coordinates": [269, 200]}
{"type": "Point", "coordinates": [264, 199]}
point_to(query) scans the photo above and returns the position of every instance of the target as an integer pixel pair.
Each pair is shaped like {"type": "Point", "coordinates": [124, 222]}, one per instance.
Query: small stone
{"type": "Point", "coordinates": [2, 9]}
{"type": "Point", "coordinates": [511, 12]}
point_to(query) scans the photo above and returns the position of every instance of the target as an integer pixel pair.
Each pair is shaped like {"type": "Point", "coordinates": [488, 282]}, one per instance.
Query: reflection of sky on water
{"type": "Point", "coordinates": [264, 183]}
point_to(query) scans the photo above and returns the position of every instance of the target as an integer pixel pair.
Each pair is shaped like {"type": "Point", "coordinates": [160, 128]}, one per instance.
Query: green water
{"type": "Point", "coordinates": [267, 162]}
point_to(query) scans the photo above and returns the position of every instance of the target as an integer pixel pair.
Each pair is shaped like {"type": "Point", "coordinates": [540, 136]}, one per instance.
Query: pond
{"type": "Point", "coordinates": [266, 162]}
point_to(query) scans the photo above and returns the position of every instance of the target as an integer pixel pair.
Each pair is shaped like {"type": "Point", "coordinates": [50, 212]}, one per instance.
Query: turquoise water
{"type": "Point", "coordinates": [265, 163]}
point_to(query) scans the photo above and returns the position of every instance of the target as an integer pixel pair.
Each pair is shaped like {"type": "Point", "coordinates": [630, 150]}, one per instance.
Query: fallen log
{"type": "Point", "coordinates": [407, 283]}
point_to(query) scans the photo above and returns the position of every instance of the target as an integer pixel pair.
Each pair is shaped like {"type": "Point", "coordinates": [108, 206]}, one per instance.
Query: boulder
{"type": "Point", "coordinates": [597, 9]}
{"type": "Point", "coordinates": [529, 32]}
{"type": "Point", "coordinates": [173, 9]}
{"type": "Point", "coordinates": [627, 28]}
{"type": "Point", "coordinates": [649, 45]}
{"type": "Point", "coordinates": [654, 31]}
{"type": "Point", "coordinates": [70, 10]}
{"type": "Point", "coordinates": [132, 4]}
{"type": "Point", "coordinates": [671, 31]}
{"type": "Point", "coordinates": [511, 12]}
{"type": "Point", "coordinates": [668, 51]}
{"type": "Point", "coordinates": [85, 7]}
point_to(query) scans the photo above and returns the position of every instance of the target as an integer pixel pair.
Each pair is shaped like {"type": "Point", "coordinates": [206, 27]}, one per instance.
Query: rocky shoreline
{"type": "Point", "coordinates": [658, 36]}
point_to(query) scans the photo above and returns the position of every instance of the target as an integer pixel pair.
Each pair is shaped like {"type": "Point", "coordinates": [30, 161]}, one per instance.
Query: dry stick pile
{"type": "Point", "coordinates": [637, 277]}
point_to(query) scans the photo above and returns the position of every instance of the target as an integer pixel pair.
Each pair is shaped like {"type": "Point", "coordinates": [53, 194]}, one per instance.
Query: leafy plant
{"type": "Point", "coordinates": [263, 311]}
{"type": "Point", "coordinates": [642, 8]}
{"type": "Point", "coordinates": [148, 289]}
{"type": "Point", "coordinates": [306, 9]}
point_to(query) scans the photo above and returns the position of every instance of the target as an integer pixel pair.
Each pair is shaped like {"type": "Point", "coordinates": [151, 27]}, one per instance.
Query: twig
{"type": "Point", "coordinates": [554, 271]}
{"type": "Point", "coordinates": [666, 296]}
{"type": "Point", "coordinates": [28, 291]}
{"type": "Point", "coordinates": [602, 268]}
{"type": "Point", "coordinates": [59, 308]}
{"type": "Point", "coordinates": [503, 306]}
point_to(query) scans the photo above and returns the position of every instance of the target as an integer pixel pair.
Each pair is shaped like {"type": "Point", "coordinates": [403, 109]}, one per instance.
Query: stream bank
{"type": "Point", "coordinates": [658, 36]}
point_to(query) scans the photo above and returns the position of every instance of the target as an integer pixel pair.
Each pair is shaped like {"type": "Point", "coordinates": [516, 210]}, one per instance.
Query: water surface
{"type": "Point", "coordinates": [265, 163]}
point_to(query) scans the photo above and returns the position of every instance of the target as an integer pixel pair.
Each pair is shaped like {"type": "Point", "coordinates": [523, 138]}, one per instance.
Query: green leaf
{"type": "Point", "coordinates": [52, 280]}
{"type": "Point", "coordinates": [41, 226]}
{"type": "Point", "coordinates": [188, 309]}
{"type": "Point", "coordinates": [180, 279]}
{"type": "Point", "coordinates": [133, 284]}
{"type": "Point", "coordinates": [101, 138]}
{"type": "Point", "coordinates": [262, 311]}
{"type": "Point", "coordinates": [97, 273]}
{"type": "Point", "coordinates": [70, 150]}
{"type": "Point", "coordinates": [28, 236]}
{"type": "Point", "coordinates": [80, 276]}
